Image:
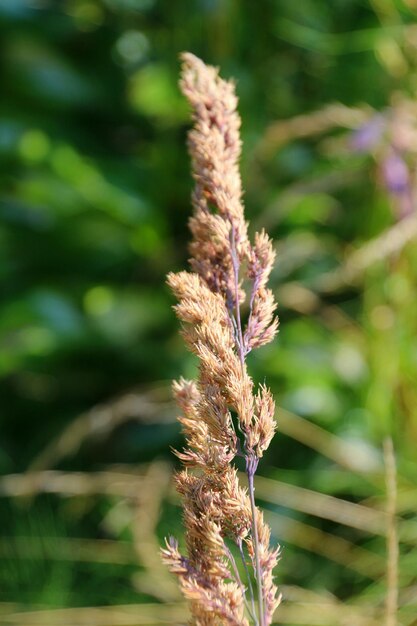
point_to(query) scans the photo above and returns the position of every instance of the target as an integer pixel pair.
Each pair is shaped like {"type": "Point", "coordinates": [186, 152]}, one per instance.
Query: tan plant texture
{"type": "Point", "coordinates": [226, 310]}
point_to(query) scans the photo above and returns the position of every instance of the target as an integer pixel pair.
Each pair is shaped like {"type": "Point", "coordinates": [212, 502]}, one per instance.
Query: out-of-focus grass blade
{"type": "Point", "coordinates": [325, 544]}
{"type": "Point", "coordinates": [68, 549]}
{"type": "Point", "coordinates": [321, 505]}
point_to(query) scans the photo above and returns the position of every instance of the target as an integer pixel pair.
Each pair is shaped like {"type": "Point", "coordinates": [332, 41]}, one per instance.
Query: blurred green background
{"type": "Point", "coordinates": [95, 188]}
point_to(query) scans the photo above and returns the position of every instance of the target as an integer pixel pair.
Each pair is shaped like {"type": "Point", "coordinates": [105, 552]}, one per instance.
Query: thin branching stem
{"type": "Point", "coordinates": [251, 462]}
{"type": "Point", "coordinates": [251, 465]}
{"type": "Point", "coordinates": [236, 264]}
{"type": "Point", "coordinates": [232, 560]}
{"type": "Point", "coordinates": [252, 596]}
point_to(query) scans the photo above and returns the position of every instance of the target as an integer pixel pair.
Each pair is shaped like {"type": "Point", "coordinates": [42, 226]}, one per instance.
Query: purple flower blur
{"type": "Point", "coordinates": [368, 135]}
{"type": "Point", "coordinates": [395, 173]}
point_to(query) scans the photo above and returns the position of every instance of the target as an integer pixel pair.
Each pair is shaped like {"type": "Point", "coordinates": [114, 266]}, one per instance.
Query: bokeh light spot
{"type": "Point", "coordinates": [382, 317]}
{"type": "Point", "coordinates": [132, 46]}
{"type": "Point", "coordinates": [98, 300]}
{"type": "Point", "coordinates": [37, 340]}
{"type": "Point", "coordinates": [34, 145]}
{"type": "Point", "coordinates": [87, 15]}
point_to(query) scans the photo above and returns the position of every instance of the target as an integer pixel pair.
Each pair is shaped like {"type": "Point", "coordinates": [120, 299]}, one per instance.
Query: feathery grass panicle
{"type": "Point", "coordinates": [217, 510]}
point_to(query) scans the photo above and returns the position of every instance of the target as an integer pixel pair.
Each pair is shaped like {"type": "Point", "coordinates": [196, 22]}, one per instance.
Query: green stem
{"type": "Point", "coordinates": [242, 556]}
{"type": "Point", "coordinates": [250, 473]}
{"type": "Point", "coordinates": [239, 582]}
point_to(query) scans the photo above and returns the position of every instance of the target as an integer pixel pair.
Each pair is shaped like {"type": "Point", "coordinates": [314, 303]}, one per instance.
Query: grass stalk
{"type": "Point", "coordinates": [251, 469]}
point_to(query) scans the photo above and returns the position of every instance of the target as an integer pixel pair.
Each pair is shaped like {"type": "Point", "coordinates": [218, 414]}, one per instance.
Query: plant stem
{"type": "Point", "coordinates": [251, 465]}
{"type": "Point", "coordinates": [235, 263]}
{"type": "Point", "coordinates": [232, 560]}
{"type": "Point", "coordinates": [251, 460]}
{"type": "Point", "coordinates": [252, 597]}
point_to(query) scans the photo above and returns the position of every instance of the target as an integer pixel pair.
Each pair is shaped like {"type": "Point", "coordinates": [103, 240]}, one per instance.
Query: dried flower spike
{"type": "Point", "coordinates": [220, 516]}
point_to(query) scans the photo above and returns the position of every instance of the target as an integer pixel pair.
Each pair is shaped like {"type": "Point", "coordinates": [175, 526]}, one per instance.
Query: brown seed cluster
{"type": "Point", "coordinates": [226, 268]}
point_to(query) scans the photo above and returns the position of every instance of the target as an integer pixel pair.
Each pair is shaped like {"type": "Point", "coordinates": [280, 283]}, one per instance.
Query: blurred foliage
{"type": "Point", "coordinates": [94, 204]}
